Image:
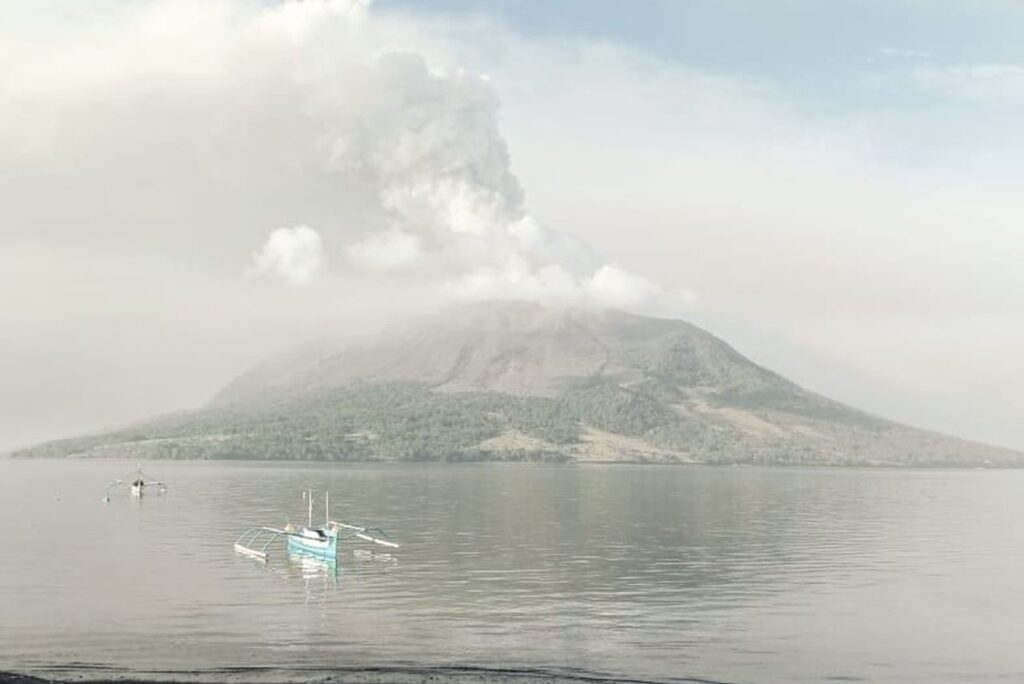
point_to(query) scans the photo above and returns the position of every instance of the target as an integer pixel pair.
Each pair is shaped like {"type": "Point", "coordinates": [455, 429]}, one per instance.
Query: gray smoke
{"type": "Point", "coordinates": [320, 134]}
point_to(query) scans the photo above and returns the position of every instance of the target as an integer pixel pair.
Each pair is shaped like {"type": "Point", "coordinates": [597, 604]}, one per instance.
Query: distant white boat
{"type": "Point", "coordinates": [137, 486]}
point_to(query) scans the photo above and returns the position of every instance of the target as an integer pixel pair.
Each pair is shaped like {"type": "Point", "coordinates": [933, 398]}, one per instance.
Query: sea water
{"type": "Point", "coordinates": [648, 573]}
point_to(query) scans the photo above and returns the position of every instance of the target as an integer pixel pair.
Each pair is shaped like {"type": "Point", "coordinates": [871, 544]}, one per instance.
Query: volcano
{"type": "Point", "coordinates": [517, 381]}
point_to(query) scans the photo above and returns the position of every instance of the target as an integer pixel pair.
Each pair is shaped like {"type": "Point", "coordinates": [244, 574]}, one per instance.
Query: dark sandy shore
{"type": "Point", "coordinates": [440, 675]}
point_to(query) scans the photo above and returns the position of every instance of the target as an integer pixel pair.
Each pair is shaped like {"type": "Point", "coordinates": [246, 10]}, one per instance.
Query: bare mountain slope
{"type": "Point", "coordinates": [519, 349]}
{"type": "Point", "coordinates": [512, 381]}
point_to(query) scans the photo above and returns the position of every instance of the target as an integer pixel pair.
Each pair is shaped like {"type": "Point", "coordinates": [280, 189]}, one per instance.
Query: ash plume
{"type": "Point", "coordinates": [320, 115]}
{"type": "Point", "coordinates": [427, 140]}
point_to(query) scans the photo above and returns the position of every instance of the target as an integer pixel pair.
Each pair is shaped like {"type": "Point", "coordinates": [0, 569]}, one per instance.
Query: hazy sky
{"type": "Point", "coordinates": [832, 187]}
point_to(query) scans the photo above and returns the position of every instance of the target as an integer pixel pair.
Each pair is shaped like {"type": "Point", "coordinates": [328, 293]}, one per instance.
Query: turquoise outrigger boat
{"type": "Point", "coordinates": [321, 542]}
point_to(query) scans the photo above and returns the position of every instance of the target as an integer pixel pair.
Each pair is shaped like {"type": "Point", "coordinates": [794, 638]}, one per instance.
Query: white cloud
{"type": "Point", "coordinates": [614, 287]}
{"type": "Point", "coordinates": [606, 287]}
{"type": "Point", "coordinates": [295, 255]}
{"type": "Point", "coordinates": [904, 53]}
{"type": "Point", "coordinates": [995, 84]}
{"type": "Point", "coordinates": [986, 83]}
{"type": "Point", "coordinates": [517, 280]}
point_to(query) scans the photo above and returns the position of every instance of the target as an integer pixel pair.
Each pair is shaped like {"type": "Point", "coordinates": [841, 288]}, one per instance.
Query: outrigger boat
{"type": "Point", "coordinates": [140, 483]}
{"type": "Point", "coordinates": [137, 485]}
{"type": "Point", "coordinates": [321, 541]}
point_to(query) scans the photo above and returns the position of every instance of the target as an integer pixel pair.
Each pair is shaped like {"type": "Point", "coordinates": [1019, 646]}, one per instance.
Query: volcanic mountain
{"type": "Point", "coordinates": [515, 381]}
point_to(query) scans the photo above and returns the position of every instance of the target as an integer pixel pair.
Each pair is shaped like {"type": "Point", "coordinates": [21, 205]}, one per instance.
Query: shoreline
{"type": "Point", "coordinates": [343, 675]}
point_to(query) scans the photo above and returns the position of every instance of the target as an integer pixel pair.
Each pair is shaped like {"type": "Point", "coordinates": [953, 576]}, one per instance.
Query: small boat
{"type": "Point", "coordinates": [319, 541]}
{"type": "Point", "coordinates": [137, 486]}
{"type": "Point", "coordinates": [314, 541]}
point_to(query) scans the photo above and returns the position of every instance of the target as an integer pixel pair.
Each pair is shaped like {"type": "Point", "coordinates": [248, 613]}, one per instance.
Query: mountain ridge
{"type": "Point", "coordinates": [515, 381]}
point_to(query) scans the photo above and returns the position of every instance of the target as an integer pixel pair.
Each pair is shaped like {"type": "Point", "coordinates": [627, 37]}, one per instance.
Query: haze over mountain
{"type": "Point", "coordinates": [513, 381]}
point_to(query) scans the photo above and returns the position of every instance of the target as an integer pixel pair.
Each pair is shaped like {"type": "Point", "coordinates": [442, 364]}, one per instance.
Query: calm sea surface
{"type": "Point", "coordinates": [649, 573]}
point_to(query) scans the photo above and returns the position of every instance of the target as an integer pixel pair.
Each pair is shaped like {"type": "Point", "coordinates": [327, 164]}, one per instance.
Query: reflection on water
{"type": "Point", "coordinates": [730, 574]}
{"type": "Point", "coordinates": [317, 576]}
{"type": "Point", "coordinates": [312, 566]}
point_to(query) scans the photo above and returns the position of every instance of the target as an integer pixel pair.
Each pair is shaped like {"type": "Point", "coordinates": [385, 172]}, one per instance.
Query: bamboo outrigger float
{"type": "Point", "coordinates": [321, 542]}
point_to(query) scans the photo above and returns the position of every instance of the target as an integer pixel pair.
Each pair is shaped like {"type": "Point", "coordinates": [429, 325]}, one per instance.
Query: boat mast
{"type": "Point", "coordinates": [327, 508]}
{"type": "Point", "coordinates": [309, 517]}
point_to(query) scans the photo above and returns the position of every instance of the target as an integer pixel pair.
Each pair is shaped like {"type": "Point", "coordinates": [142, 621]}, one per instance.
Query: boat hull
{"type": "Point", "coordinates": [322, 548]}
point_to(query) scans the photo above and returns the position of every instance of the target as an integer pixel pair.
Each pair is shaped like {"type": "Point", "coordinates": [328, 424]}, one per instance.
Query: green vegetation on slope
{"type": "Point", "coordinates": [382, 422]}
